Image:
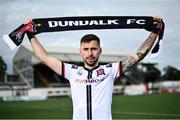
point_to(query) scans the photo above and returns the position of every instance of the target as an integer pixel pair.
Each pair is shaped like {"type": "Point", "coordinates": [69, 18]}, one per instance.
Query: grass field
{"type": "Point", "coordinates": [159, 106]}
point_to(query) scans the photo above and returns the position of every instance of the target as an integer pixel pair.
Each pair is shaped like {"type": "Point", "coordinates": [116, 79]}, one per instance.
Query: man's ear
{"type": "Point", "coordinates": [80, 51]}
{"type": "Point", "coordinates": [100, 50]}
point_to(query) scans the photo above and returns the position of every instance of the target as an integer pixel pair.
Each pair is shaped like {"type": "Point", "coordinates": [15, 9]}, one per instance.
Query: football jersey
{"type": "Point", "coordinates": [92, 90]}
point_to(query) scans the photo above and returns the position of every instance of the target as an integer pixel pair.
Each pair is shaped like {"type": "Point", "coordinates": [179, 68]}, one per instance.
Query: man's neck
{"type": "Point", "coordinates": [90, 67]}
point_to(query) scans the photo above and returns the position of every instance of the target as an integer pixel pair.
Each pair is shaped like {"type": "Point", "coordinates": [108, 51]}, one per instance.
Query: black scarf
{"type": "Point", "coordinates": [59, 24]}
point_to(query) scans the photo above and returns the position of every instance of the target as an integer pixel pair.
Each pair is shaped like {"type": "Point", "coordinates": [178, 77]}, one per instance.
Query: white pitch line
{"type": "Point", "coordinates": [148, 114]}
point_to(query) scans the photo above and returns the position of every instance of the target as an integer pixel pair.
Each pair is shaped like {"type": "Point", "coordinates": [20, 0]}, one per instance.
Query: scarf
{"type": "Point", "coordinates": [60, 24]}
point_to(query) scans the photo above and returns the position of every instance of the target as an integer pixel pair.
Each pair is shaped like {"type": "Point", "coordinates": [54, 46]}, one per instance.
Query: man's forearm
{"type": "Point", "coordinates": [146, 46]}
{"type": "Point", "coordinates": [132, 60]}
{"type": "Point", "coordinates": [38, 48]}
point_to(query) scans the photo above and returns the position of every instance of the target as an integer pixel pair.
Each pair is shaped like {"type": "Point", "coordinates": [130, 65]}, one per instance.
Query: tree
{"type": "Point", "coordinates": [145, 72]}
{"type": "Point", "coordinates": [3, 68]}
{"type": "Point", "coordinates": [150, 72]}
{"type": "Point", "coordinates": [171, 73]}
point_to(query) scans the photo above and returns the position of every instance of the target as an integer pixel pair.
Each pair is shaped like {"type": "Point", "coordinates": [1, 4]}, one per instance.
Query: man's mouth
{"type": "Point", "coordinates": [90, 58]}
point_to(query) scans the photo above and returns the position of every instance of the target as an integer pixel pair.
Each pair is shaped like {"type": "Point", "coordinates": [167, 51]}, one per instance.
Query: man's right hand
{"type": "Point", "coordinates": [29, 34]}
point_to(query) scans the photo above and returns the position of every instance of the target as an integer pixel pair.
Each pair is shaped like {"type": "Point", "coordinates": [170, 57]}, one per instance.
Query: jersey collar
{"type": "Point", "coordinates": [92, 68]}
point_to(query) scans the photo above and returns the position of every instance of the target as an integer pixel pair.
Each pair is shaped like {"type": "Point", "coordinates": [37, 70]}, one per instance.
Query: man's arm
{"type": "Point", "coordinates": [40, 52]}
{"type": "Point", "coordinates": [143, 50]}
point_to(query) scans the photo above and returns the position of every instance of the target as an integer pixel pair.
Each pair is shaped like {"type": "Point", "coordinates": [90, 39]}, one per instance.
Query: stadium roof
{"type": "Point", "coordinates": [67, 54]}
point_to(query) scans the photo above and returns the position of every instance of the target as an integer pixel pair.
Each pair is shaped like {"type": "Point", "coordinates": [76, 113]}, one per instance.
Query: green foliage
{"type": "Point", "coordinates": [3, 68]}
{"type": "Point", "coordinates": [171, 73]}
{"type": "Point", "coordinates": [145, 72]}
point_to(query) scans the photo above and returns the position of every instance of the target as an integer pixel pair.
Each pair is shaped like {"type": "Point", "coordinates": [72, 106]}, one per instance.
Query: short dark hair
{"type": "Point", "coordinates": [90, 37]}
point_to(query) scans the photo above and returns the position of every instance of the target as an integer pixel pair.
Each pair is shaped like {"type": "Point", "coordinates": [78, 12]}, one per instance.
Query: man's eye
{"type": "Point", "coordinates": [85, 49]}
{"type": "Point", "coordinates": [94, 49]}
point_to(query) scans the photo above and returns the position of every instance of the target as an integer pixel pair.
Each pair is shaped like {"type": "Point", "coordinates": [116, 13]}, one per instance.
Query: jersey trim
{"type": "Point", "coordinates": [89, 102]}
{"type": "Point", "coordinates": [120, 69]}
{"type": "Point", "coordinates": [63, 69]}
{"type": "Point", "coordinates": [91, 69]}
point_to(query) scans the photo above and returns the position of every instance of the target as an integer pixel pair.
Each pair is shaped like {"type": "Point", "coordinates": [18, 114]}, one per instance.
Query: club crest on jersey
{"type": "Point", "coordinates": [100, 72]}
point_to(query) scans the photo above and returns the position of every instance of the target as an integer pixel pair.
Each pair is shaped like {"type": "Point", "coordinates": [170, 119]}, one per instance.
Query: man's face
{"type": "Point", "coordinates": [90, 52]}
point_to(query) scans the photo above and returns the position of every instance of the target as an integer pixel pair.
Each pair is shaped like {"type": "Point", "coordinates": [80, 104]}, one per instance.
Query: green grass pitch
{"type": "Point", "coordinates": [159, 106]}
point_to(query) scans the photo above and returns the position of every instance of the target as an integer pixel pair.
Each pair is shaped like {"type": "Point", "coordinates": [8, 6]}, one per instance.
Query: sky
{"type": "Point", "coordinates": [14, 12]}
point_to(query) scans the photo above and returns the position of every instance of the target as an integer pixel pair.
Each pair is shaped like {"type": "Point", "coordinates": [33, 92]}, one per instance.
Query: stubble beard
{"type": "Point", "coordinates": [93, 63]}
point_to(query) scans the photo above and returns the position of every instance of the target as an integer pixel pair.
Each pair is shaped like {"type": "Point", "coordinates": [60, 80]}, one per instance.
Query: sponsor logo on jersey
{"type": "Point", "coordinates": [90, 81]}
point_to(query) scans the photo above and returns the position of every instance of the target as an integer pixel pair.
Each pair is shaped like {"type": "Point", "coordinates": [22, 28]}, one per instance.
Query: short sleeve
{"type": "Point", "coordinates": [117, 70]}
{"type": "Point", "coordinates": [66, 70]}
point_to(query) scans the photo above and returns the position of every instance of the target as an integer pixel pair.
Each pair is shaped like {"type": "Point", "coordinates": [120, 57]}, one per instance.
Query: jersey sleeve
{"type": "Point", "coordinates": [117, 69]}
{"type": "Point", "coordinates": [66, 70]}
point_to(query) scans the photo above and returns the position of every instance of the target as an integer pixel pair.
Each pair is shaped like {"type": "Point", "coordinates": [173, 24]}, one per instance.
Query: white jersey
{"type": "Point", "coordinates": [92, 90]}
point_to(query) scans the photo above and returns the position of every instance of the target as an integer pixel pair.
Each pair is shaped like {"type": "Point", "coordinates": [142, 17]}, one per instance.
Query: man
{"type": "Point", "coordinates": [92, 84]}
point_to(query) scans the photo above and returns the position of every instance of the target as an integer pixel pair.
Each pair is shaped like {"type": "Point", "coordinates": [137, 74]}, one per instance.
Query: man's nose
{"type": "Point", "coordinates": [90, 52]}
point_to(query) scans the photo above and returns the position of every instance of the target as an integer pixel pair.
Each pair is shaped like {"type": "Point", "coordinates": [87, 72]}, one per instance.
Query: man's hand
{"type": "Point", "coordinates": [157, 18]}
{"type": "Point", "coordinates": [158, 22]}
{"type": "Point", "coordinates": [27, 21]}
